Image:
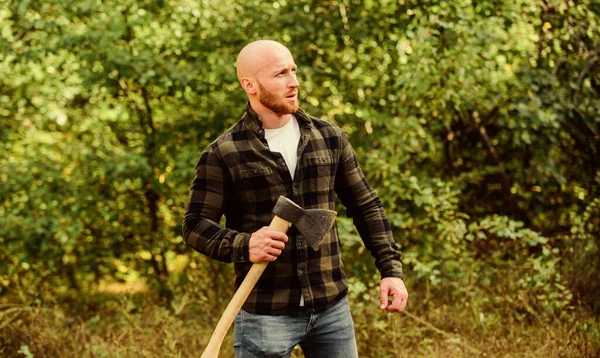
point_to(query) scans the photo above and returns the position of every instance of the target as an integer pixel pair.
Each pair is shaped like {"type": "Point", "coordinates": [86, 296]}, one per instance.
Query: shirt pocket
{"type": "Point", "coordinates": [258, 184]}
{"type": "Point", "coordinates": [255, 172]}
{"type": "Point", "coordinates": [320, 172]}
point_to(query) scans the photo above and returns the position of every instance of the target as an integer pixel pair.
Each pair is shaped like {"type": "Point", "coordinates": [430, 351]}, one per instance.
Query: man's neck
{"type": "Point", "coordinates": [270, 120]}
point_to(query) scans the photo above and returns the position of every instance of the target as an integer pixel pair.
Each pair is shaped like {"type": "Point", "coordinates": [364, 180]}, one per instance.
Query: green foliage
{"type": "Point", "coordinates": [24, 350]}
{"type": "Point", "coordinates": [478, 124]}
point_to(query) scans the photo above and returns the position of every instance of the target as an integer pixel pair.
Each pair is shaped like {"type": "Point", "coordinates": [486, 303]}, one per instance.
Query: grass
{"type": "Point", "coordinates": [134, 323]}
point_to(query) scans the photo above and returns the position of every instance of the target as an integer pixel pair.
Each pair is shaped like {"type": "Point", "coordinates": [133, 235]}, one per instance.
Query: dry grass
{"type": "Point", "coordinates": [442, 332]}
{"type": "Point", "coordinates": [137, 325]}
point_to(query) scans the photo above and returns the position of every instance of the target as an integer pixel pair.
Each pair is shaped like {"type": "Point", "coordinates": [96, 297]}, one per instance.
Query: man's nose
{"type": "Point", "coordinates": [293, 82]}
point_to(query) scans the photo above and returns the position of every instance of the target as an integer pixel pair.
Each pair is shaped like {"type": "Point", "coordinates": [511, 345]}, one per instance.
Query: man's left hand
{"type": "Point", "coordinates": [393, 286]}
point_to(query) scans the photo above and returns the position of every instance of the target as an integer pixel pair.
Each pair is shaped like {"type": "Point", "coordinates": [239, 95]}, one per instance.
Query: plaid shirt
{"type": "Point", "coordinates": [239, 177]}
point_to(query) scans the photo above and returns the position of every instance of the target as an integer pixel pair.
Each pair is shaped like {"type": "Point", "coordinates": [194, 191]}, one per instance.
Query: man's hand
{"type": "Point", "coordinates": [393, 286]}
{"type": "Point", "coordinates": [266, 245]}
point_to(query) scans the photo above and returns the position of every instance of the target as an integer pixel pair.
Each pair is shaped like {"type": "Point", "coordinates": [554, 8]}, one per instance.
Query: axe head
{"type": "Point", "coordinates": [313, 224]}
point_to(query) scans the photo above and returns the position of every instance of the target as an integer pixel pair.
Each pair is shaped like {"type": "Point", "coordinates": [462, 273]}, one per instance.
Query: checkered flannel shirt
{"type": "Point", "coordinates": [239, 177]}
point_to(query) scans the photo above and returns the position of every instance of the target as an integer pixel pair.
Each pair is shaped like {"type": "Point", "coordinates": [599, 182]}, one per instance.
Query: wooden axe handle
{"type": "Point", "coordinates": [214, 345]}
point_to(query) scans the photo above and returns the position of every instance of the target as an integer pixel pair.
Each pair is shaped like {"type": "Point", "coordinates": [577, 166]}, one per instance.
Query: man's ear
{"type": "Point", "coordinates": [248, 85]}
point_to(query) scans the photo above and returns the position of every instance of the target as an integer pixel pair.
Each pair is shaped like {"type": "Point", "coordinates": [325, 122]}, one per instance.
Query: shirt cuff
{"type": "Point", "coordinates": [241, 244]}
{"type": "Point", "coordinates": [392, 268]}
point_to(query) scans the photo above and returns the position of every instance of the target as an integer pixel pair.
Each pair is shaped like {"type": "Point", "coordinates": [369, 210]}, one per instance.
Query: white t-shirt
{"type": "Point", "coordinates": [285, 140]}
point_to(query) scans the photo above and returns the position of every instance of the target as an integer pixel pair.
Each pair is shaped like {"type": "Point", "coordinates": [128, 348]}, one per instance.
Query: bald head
{"type": "Point", "coordinates": [267, 73]}
{"type": "Point", "coordinates": [257, 55]}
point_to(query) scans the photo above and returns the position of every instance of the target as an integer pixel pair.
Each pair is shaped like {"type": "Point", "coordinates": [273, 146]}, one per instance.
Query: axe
{"type": "Point", "coordinates": [313, 224]}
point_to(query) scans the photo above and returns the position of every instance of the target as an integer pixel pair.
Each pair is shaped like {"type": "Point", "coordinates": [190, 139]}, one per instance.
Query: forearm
{"type": "Point", "coordinates": [373, 227]}
{"type": "Point", "coordinates": [209, 238]}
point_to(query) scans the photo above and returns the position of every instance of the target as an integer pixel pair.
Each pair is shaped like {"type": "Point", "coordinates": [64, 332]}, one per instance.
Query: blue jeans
{"type": "Point", "coordinates": [327, 334]}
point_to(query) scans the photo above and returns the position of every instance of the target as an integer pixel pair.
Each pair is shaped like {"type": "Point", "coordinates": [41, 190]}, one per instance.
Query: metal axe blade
{"type": "Point", "coordinates": [313, 224]}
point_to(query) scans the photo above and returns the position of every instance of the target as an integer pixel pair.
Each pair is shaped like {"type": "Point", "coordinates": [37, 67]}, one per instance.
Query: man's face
{"type": "Point", "coordinates": [279, 103]}
{"type": "Point", "coordinates": [278, 85]}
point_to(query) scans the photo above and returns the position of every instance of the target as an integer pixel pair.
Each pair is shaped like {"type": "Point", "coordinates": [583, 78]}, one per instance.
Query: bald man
{"type": "Point", "coordinates": [277, 149]}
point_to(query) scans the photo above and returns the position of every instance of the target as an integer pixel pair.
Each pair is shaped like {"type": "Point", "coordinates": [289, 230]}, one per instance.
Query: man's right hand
{"type": "Point", "coordinates": [266, 245]}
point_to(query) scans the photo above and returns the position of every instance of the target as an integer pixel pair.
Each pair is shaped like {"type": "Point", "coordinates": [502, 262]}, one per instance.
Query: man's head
{"type": "Point", "coordinates": [267, 72]}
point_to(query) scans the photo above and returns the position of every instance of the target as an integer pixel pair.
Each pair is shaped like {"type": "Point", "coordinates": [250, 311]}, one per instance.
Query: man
{"type": "Point", "coordinates": [277, 149]}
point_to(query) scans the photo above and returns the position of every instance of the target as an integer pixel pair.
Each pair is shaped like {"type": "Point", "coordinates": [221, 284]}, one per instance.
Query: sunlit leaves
{"type": "Point", "coordinates": [474, 121]}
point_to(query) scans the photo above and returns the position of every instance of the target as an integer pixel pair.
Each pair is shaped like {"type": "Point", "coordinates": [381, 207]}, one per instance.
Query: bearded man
{"type": "Point", "coordinates": [277, 149]}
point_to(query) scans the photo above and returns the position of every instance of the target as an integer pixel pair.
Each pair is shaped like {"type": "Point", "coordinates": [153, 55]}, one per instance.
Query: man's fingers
{"type": "Point", "coordinates": [266, 245]}
{"type": "Point", "coordinates": [276, 235]}
{"type": "Point", "coordinates": [398, 303]}
{"type": "Point", "coordinates": [392, 286]}
{"type": "Point", "coordinates": [383, 298]}
{"type": "Point", "coordinates": [272, 234]}
{"type": "Point", "coordinates": [275, 252]}
{"type": "Point", "coordinates": [269, 254]}
{"type": "Point", "coordinates": [395, 305]}
{"type": "Point", "coordinates": [277, 244]}
{"type": "Point", "coordinates": [270, 258]}
{"type": "Point", "coordinates": [403, 304]}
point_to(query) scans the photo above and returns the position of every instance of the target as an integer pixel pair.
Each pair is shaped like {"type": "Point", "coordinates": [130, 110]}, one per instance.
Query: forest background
{"type": "Point", "coordinates": [477, 122]}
